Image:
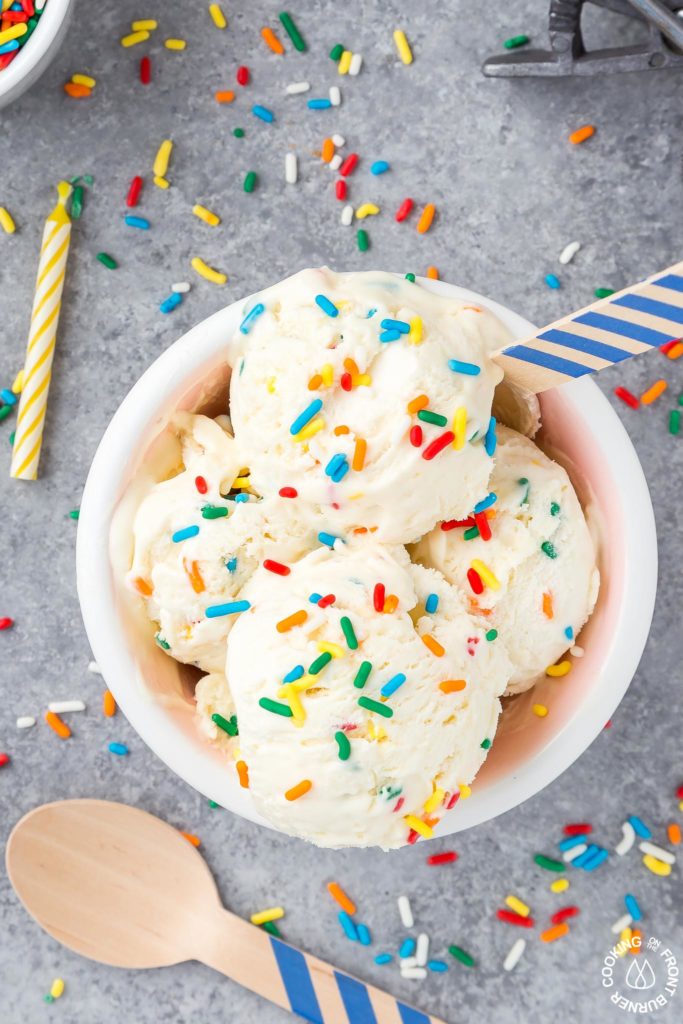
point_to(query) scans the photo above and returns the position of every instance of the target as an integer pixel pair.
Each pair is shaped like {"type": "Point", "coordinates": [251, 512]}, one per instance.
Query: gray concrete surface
{"type": "Point", "coordinates": [511, 192]}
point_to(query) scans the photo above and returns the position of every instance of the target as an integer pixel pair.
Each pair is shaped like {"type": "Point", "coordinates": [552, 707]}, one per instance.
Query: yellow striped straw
{"type": "Point", "coordinates": [41, 341]}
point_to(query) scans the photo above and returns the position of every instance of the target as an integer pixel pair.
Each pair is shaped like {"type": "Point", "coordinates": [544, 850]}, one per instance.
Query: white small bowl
{"type": "Point", "coordinates": [529, 752]}
{"type": "Point", "coordinates": [34, 57]}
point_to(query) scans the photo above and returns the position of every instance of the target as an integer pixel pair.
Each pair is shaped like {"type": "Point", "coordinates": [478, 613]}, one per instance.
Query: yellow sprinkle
{"type": "Point", "coordinates": [465, 791]}
{"type": "Point", "coordinates": [263, 916]}
{"type": "Point", "coordinates": [84, 80]}
{"type": "Point", "coordinates": [18, 385]}
{"type": "Point", "coordinates": [657, 867]}
{"type": "Point", "coordinates": [270, 385]}
{"type": "Point", "coordinates": [344, 62]}
{"type": "Point", "coordinates": [161, 160]}
{"type": "Point", "coordinates": [562, 669]}
{"type": "Point", "coordinates": [680, 806]}
{"type": "Point", "coordinates": [519, 908]}
{"type": "Point", "coordinates": [366, 210]}
{"type": "Point", "coordinates": [301, 685]}
{"type": "Point", "coordinates": [380, 734]}
{"type": "Point", "coordinates": [161, 182]}
{"type": "Point", "coordinates": [134, 38]}
{"type": "Point", "coordinates": [362, 380]}
{"type": "Point", "coordinates": [626, 935]}
{"type": "Point", "coordinates": [6, 222]}
{"type": "Point", "coordinates": [204, 270]}
{"type": "Point", "coordinates": [419, 826]}
{"type": "Point", "coordinates": [206, 215]}
{"type": "Point", "coordinates": [14, 32]}
{"type": "Point", "coordinates": [310, 429]}
{"type": "Point", "coordinates": [415, 336]}
{"type": "Point", "coordinates": [485, 573]}
{"type": "Point", "coordinates": [291, 695]}
{"type": "Point", "coordinates": [540, 710]}
{"type": "Point", "coordinates": [241, 481]}
{"type": "Point", "coordinates": [403, 47]}
{"type": "Point", "coordinates": [57, 988]}
{"type": "Point", "coordinates": [217, 15]}
{"type": "Point", "coordinates": [434, 801]}
{"type": "Point", "coordinates": [327, 374]}
{"type": "Point", "coordinates": [459, 427]}
{"type": "Point", "coordinates": [328, 648]}
{"type": "Point", "coordinates": [147, 25]}
{"type": "Point", "coordinates": [175, 44]}
{"type": "Point", "coordinates": [559, 885]}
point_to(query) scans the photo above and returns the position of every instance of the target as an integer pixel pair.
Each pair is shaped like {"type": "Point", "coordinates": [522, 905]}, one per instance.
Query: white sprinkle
{"type": "Point", "coordinates": [622, 923]}
{"type": "Point", "coordinates": [346, 215]}
{"type": "Point", "coordinates": [574, 852]}
{"type": "Point", "coordinates": [295, 87]}
{"type": "Point", "coordinates": [402, 427]}
{"type": "Point", "coordinates": [515, 955]}
{"type": "Point", "coordinates": [335, 95]}
{"type": "Point", "coordinates": [628, 840]}
{"type": "Point", "coordinates": [356, 64]}
{"type": "Point", "coordinates": [60, 706]}
{"type": "Point", "coordinates": [95, 668]}
{"type": "Point", "coordinates": [569, 252]}
{"type": "Point", "coordinates": [335, 162]}
{"type": "Point", "coordinates": [181, 287]}
{"type": "Point", "coordinates": [291, 169]}
{"type": "Point", "coordinates": [339, 141]}
{"type": "Point", "coordinates": [658, 852]}
{"type": "Point", "coordinates": [405, 912]}
{"type": "Point", "coordinates": [414, 973]}
{"type": "Point", "coordinates": [25, 722]}
{"type": "Point", "coordinates": [409, 961]}
{"type": "Point", "coordinates": [576, 651]}
{"type": "Point", "coordinates": [422, 950]}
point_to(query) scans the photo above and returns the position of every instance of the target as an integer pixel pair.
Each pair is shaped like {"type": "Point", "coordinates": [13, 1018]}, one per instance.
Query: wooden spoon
{"type": "Point", "coordinates": [118, 885]}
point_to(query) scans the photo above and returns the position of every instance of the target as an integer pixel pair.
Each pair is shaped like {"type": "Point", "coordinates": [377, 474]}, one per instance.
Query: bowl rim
{"type": "Point", "coordinates": [109, 644]}
{"type": "Point", "coordinates": [29, 57]}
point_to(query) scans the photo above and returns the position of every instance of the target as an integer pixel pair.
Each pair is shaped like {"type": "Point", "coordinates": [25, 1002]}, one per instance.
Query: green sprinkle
{"type": "Point", "coordinates": [548, 549]}
{"type": "Point", "coordinates": [548, 863]}
{"type": "Point", "coordinates": [603, 293]}
{"type": "Point", "coordinates": [349, 633]}
{"type": "Point", "coordinates": [227, 725]}
{"type": "Point", "coordinates": [5, 411]}
{"type": "Point", "coordinates": [107, 261]}
{"type": "Point", "coordinates": [363, 240]}
{"type": "Point", "coordinates": [319, 664]}
{"type": "Point", "coordinates": [162, 643]}
{"type": "Point", "coordinates": [238, 133]}
{"type": "Point", "coordinates": [515, 41]}
{"type": "Point", "coordinates": [461, 955]}
{"type": "Point", "coordinates": [492, 634]}
{"type": "Point", "coordinates": [272, 929]}
{"type": "Point", "coordinates": [276, 707]}
{"type": "Point", "coordinates": [250, 181]}
{"type": "Point", "coordinates": [213, 804]}
{"type": "Point", "coordinates": [470, 533]}
{"type": "Point", "coordinates": [485, 744]}
{"type": "Point", "coordinates": [674, 421]}
{"type": "Point", "coordinates": [48, 998]}
{"type": "Point", "coordinates": [523, 482]}
{"type": "Point", "coordinates": [214, 511]}
{"type": "Point", "coordinates": [336, 52]}
{"type": "Point", "coordinates": [374, 705]}
{"type": "Point", "coordinates": [554, 508]}
{"type": "Point", "coordinates": [362, 675]}
{"type": "Point", "coordinates": [292, 31]}
{"type": "Point", "coordinates": [88, 179]}
{"type": "Point", "coordinates": [11, 437]}
{"type": "Point", "coordinates": [680, 399]}
{"type": "Point", "coordinates": [74, 513]}
{"type": "Point", "coordinates": [432, 417]}
{"type": "Point", "coordinates": [30, 28]}
{"type": "Point", "coordinates": [411, 278]}
{"type": "Point", "coordinates": [344, 745]}
{"type": "Point", "coordinates": [77, 202]}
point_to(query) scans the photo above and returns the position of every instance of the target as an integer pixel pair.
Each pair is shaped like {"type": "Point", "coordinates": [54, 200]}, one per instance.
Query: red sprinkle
{"type": "Point", "coordinates": [474, 580]}
{"type": "Point", "coordinates": [510, 917]}
{"type": "Point", "coordinates": [666, 348]}
{"type": "Point", "coordinates": [288, 492]}
{"type": "Point", "coordinates": [563, 914]}
{"type": "Point", "coordinates": [349, 165]}
{"type": "Point", "coordinates": [242, 75]}
{"type": "Point", "coordinates": [438, 445]}
{"type": "Point", "coordinates": [326, 601]}
{"type": "Point", "coordinates": [412, 837]}
{"type": "Point", "coordinates": [416, 436]}
{"type": "Point", "coordinates": [453, 801]}
{"type": "Point", "coordinates": [145, 71]}
{"type": "Point", "coordinates": [679, 793]}
{"type": "Point", "coordinates": [14, 18]}
{"type": "Point", "coordinates": [28, 7]}
{"type": "Point", "coordinates": [627, 397]}
{"type": "Point", "coordinates": [4, 759]}
{"type": "Point", "coordinates": [456, 524]}
{"type": "Point", "coordinates": [340, 189]}
{"type": "Point", "coordinates": [399, 804]}
{"type": "Point", "coordinates": [482, 522]}
{"type": "Point", "coordinates": [134, 190]}
{"type": "Point", "coordinates": [346, 381]}
{"type": "Point", "coordinates": [7, 58]}
{"type": "Point", "coordinates": [6, 623]}
{"type": "Point", "coordinates": [276, 567]}
{"type": "Point", "coordinates": [581, 828]}
{"type": "Point", "coordinates": [447, 857]}
{"type": "Point", "coordinates": [201, 484]}
{"type": "Point", "coordinates": [404, 209]}
{"type": "Point", "coordinates": [378, 597]}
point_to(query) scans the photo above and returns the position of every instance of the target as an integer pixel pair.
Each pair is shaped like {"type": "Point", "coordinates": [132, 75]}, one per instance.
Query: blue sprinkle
{"type": "Point", "coordinates": [8, 397]}
{"type": "Point", "coordinates": [231, 564]}
{"type": "Point", "coordinates": [632, 906]}
{"type": "Point", "coordinates": [214, 611]}
{"type": "Point", "coordinates": [469, 369]}
{"type": "Point", "coordinates": [390, 336]}
{"type": "Point", "coordinates": [569, 633]}
{"type": "Point", "coordinates": [407, 948]}
{"type": "Point", "coordinates": [185, 534]}
{"type": "Point", "coordinates": [370, 313]}
{"type": "Point", "coordinates": [395, 325]}
{"type": "Point", "coordinates": [437, 965]}
{"type": "Point", "coordinates": [490, 440]}
{"type": "Point", "coordinates": [327, 538]}
{"type": "Point", "coordinates": [379, 167]}
{"type": "Point", "coordinates": [306, 416]}
{"type": "Point", "coordinates": [571, 841]}
{"type": "Point", "coordinates": [393, 684]}
{"type": "Point", "coordinates": [596, 860]}
{"type": "Point", "coordinates": [118, 748]}
{"type": "Point", "coordinates": [239, 498]}
{"type": "Point", "coordinates": [171, 303]}
{"type": "Point", "coordinates": [640, 827]}
{"type": "Point", "coordinates": [327, 305]}
{"type": "Point", "coordinates": [319, 104]}
{"type": "Point", "coordinates": [486, 502]}
{"type": "Point", "coordinates": [314, 598]}
{"type": "Point", "coordinates": [136, 222]}
{"type": "Point", "coordinates": [294, 674]}
{"type": "Point", "coordinates": [8, 47]}
{"type": "Point", "coordinates": [248, 321]}
{"type": "Point", "coordinates": [341, 471]}
{"type": "Point", "coordinates": [364, 936]}
{"type": "Point", "coordinates": [348, 926]}
{"type": "Point", "coordinates": [334, 463]}
{"type": "Point", "coordinates": [587, 855]}
{"type": "Point", "coordinates": [263, 113]}
{"type": "Point", "coordinates": [432, 603]}
{"type": "Point", "coordinates": [552, 281]}
{"type": "Point", "coordinates": [384, 958]}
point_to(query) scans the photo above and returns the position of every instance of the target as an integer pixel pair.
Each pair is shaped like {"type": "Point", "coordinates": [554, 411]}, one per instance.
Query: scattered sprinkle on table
{"type": "Point", "coordinates": [581, 134]}
{"type": "Point", "coordinates": [107, 261]}
{"type": "Point", "coordinates": [118, 748]}
{"type": "Point", "coordinates": [515, 41]}
{"type": "Point", "coordinates": [403, 47]}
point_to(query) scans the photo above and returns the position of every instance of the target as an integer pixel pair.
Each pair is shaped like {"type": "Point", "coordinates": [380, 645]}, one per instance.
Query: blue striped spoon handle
{"type": "Point", "coordinates": [298, 981]}
{"type": "Point", "coordinates": [609, 331]}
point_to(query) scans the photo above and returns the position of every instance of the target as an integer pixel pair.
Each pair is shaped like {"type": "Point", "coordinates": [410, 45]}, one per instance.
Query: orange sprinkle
{"type": "Point", "coordinates": [225, 96]}
{"type": "Point", "coordinates": [421, 402]}
{"type": "Point", "coordinates": [315, 382]}
{"type": "Point", "coordinates": [555, 933]}
{"type": "Point", "coordinates": [243, 773]}
{"type": "Point", "coordinates": [653, 393]}
{"type": "Point", "coordinates": [390, 604]}
{"type": "Point", "coordinates": [676, 350]}
{"type": "Point", "coordinates": [341, 429]}
{"type": "Point", "coordinates": [195, 577]}
{"type": "Point", "coordinates": [142, 586]}
{"type": "Point", "coordinates": [359, 454]}
{"type": "Point", "coordinates": [452, 685]}
{"type": "Point", "coordinates": [300, 789]}
{"type": "Point", "coordinates": [191, 838]}
{"type": "Point", "coordinates": [284, 625]}
{"type": "Point", "coordinates": [271, 40]}
{"type": "Point", "coordinates": [108, 704]}
{"type": "Point", "coordinates": [674, 833]}
{"type": "Point", "coordinates": [60, 727]}
{"type": "Point", "coordinates": [77, 92]}
{"type": "Point", "coordinates": [426, 218]}
{"type": "Point", "coordinates": [433, 273]}
{"type": "Point", "coordinates": [338, 894]}
{"type": "Point", "coordinates": [634, 948]}
{"type": "Point", "coordinates": [548, 606]}
{"type": "Point", "coordinates": [433, 645]}
{"type": "Point", "coordinates": [475, 309]}
{"type": "Point", "coordinates": [360, 529]}
{"type": "Point", "coordinates": [581, 134]}
{"type": "Point", "coordinates": [327, 150]}
{"type": "Point", "coordinates": [351, 366]}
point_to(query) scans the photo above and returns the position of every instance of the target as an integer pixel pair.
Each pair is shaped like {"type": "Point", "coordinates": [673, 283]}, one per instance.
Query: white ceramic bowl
{"type": "Point", "coordinates": [34, 57]}
{"type": "Point", "coordinates": [155, 692]}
